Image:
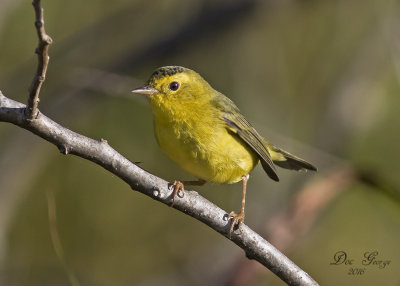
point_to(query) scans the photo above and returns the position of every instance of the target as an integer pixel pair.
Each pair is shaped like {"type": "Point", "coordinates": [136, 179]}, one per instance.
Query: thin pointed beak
{"type": "Point", "coordinates": [146, 90]}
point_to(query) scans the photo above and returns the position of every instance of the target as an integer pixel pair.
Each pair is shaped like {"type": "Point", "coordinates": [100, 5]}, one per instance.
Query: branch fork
{"type": "Point", "coordinates": [101, 153]}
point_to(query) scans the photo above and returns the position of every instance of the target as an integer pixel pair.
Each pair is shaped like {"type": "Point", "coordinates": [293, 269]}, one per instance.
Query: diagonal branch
{"type": "Point", "coordinates": [101, 153]}
{"type": "Point", "coordinates": [43, 61]}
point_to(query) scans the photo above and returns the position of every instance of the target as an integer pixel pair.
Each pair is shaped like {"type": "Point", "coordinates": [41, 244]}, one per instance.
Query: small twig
{"type": "Point", "coordinates": [101, 153]}
{"type": "Point", "coordinates": [43, 61]}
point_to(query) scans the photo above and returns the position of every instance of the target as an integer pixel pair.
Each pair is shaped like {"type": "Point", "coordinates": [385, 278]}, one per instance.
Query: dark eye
{"type": "Point", "coordinates": [174, 85]}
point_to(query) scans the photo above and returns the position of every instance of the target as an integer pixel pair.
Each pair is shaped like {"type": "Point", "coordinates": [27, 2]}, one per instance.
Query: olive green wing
{"type": "Point", "coordinates": [236, 123]}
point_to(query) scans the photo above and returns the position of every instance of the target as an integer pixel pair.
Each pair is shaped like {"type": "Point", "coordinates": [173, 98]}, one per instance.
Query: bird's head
{"type": "Point", "coordinates": [170, 87]}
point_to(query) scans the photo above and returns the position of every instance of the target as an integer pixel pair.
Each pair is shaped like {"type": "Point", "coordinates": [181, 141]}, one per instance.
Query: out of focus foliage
{"type": "Point", "coordinates": [319, 78]}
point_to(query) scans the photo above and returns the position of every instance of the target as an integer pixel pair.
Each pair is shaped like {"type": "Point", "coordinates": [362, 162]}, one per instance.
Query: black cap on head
{"type": "Point", "coordinates": [165, 71]}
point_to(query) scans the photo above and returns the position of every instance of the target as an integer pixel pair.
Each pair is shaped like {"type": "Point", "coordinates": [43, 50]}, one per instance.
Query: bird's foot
{"type": "Point", "coordinates": [236, 220]}
{"type": "Point", "coordinates": [177, 191]}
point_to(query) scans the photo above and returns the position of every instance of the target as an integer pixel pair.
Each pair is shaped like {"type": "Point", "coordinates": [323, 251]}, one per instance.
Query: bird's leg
{"type": "Point", "coordinates": [179, 185]}
{"type": "Point", "coordinates": [237, 219]}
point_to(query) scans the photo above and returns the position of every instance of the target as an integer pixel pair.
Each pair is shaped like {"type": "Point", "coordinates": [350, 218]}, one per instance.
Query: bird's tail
{"type": "Point", "coordinates": [286, 160]}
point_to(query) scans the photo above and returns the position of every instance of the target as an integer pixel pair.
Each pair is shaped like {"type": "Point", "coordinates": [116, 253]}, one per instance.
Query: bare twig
{"type": "Point", "coordinates": [101, 153]}
{"type": "Point", "coordinates": [43, 61]}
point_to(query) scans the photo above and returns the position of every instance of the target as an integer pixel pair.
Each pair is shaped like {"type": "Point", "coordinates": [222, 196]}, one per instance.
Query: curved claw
{"type": "Point", "coordinates": [178, 187]}
{"type": "Point", "coordinates": [236, 220]}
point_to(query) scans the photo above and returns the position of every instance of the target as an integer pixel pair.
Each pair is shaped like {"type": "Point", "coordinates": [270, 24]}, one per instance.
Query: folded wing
{"type": "Point", "coordinates": [236, 122]}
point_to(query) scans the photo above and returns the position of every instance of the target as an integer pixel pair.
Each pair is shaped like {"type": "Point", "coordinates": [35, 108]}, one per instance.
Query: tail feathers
{"type": "Point", "coordinates": [270, 172]}
{"type": "Point", "coordinates": [286, 160]}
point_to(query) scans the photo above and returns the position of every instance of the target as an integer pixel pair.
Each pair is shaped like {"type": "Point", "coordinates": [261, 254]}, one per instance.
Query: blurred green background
{"type": "Point", "coordinates": [318, 78]}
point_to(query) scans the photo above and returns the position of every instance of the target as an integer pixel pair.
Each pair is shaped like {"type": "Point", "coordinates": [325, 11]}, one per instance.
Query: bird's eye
{"type": "Point", "coordinates": [174, 86]}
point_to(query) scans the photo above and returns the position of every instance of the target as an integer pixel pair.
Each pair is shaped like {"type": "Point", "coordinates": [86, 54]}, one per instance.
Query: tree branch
{"type": "Point", "coordinates": [43, 61]}
{"type": "Point", "coordinates": [291, 223]}
{"type": "Point", "coordinates": [101, 153]}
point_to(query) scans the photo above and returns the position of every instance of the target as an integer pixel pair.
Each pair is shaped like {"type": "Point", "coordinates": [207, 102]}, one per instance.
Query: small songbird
{"type": "Point", "coordinates": [205, 134]}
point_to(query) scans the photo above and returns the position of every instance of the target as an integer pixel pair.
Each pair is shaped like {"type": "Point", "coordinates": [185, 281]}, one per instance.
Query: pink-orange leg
{"type": "Point", "coordinates": [178, 187]}
{"type": "Point", "coordinates": [237, 219]}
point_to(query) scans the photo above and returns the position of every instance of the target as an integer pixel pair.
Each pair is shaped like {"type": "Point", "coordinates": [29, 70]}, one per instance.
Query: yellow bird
{"type": "Point", "coordinates": [205, 134]}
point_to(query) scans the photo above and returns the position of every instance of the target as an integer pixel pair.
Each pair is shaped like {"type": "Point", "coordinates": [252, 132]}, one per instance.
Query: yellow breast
{"type": "Point", "coordinates": [201, 144]}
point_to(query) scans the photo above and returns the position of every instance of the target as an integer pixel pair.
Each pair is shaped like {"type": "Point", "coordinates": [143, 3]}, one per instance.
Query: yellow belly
{"type": "Point", "coordinates": [208, 152]}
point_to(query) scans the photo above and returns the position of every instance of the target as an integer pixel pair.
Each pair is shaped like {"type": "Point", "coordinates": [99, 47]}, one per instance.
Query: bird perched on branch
{"type": "Point", "coordinates": [205, 134]}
